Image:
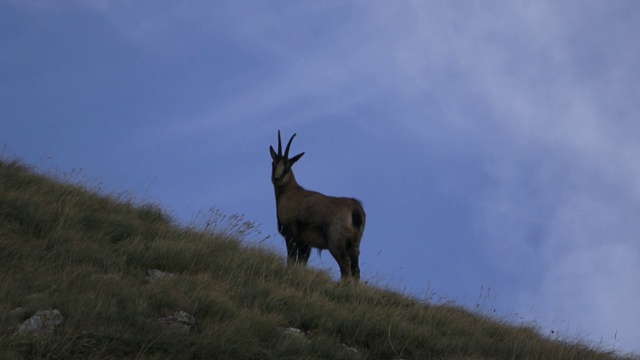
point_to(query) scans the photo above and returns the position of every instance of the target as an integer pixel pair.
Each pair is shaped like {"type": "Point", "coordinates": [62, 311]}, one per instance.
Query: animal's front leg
{"type": "Point", "coordinates": [304, 252]}
{"type": "Point", "coordinates": [292, 251]}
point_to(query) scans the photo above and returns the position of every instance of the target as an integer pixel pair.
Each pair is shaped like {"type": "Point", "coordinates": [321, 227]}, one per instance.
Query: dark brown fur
{"type": "Point", "coordinates": [308, 219]}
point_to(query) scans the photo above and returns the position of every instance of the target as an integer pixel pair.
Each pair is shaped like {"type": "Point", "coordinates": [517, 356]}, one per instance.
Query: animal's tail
{"type": "Point", "coordinates": [358, 217]}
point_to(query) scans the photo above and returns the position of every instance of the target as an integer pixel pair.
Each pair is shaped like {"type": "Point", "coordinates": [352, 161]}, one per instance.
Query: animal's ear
{"type": "Point", "coordinates": [295, 158]}
{"type": "Point", "coordinates": [273, 153]}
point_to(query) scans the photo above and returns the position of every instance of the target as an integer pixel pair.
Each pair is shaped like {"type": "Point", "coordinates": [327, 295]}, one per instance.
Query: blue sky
{"type": "Point", "coordinates": [494, 145]}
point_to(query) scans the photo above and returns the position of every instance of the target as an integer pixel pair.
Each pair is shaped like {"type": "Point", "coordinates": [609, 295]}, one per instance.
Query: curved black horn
{"type": "Point", "coordinates": [286, 151]}
{"type": "Point", "coordinates": [279, 145]}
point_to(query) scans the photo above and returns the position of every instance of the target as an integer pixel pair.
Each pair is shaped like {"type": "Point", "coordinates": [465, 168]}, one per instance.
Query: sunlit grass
{"type": "Point", "coordinates": [65, 247]}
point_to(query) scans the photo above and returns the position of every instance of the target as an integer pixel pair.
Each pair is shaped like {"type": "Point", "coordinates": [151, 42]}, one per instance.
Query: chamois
{"type": "Point", "coordinates": [308, 219]}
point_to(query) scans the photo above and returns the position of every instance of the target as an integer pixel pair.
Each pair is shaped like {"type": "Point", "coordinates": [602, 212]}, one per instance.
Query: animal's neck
{"type": "Point", "coordinates": [290, 185]}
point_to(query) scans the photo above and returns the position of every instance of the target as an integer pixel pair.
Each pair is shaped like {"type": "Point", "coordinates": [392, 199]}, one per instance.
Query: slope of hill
{"type": "Point", "coordinates": [89, 256]}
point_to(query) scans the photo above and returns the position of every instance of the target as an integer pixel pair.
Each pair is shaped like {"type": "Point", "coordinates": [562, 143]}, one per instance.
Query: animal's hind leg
{"type": "Point", "coordinates": [343, 259]}
{"type": "Point", "coordinates": [354, 254]}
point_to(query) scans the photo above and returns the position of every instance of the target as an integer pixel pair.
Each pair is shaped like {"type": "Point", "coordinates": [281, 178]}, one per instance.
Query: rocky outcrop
{"type": "Point", "coordinates": [41, 323]}
{"type": "Point", "coordinates": [180, 321]}
{"type": "Point", "coordinates": [156, 275]}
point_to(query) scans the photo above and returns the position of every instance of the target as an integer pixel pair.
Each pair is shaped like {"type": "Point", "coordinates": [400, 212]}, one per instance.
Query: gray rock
{"type": "Point", "coordinates": [41, 323]}
{"type": "Point", "coordinates": [180, 321]}
{"type": "Point", "coordinates": [155, 275]}
{"type": "Point", "coordinates": [295, 334]}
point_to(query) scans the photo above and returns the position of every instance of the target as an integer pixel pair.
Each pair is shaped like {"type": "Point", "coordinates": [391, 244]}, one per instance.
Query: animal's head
{"type": "Point", "coordinates": [281, 165]}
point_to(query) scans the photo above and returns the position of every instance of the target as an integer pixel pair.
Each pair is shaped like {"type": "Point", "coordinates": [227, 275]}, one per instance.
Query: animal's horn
{"type": "Point", "coordinates": [286, 151]}
{"type": "Point", "coordinates": [279, 145]}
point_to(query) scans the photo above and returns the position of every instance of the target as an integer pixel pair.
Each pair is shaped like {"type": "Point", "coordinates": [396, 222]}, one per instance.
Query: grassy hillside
{"type": "Point", "coordinates": [67, 248]}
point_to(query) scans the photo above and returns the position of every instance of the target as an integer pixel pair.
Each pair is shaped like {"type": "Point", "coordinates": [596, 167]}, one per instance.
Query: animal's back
{"type": "Point", "coordinates": [320, 217]}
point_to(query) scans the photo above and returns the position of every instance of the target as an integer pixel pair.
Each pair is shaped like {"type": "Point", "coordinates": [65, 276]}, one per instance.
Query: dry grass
{"type": "Point", "coordinates": [65, 247]}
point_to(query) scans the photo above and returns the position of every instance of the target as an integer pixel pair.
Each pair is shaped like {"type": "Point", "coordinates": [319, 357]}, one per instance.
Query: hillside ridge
{"type": "Point", "coordinates": [128, 282]}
